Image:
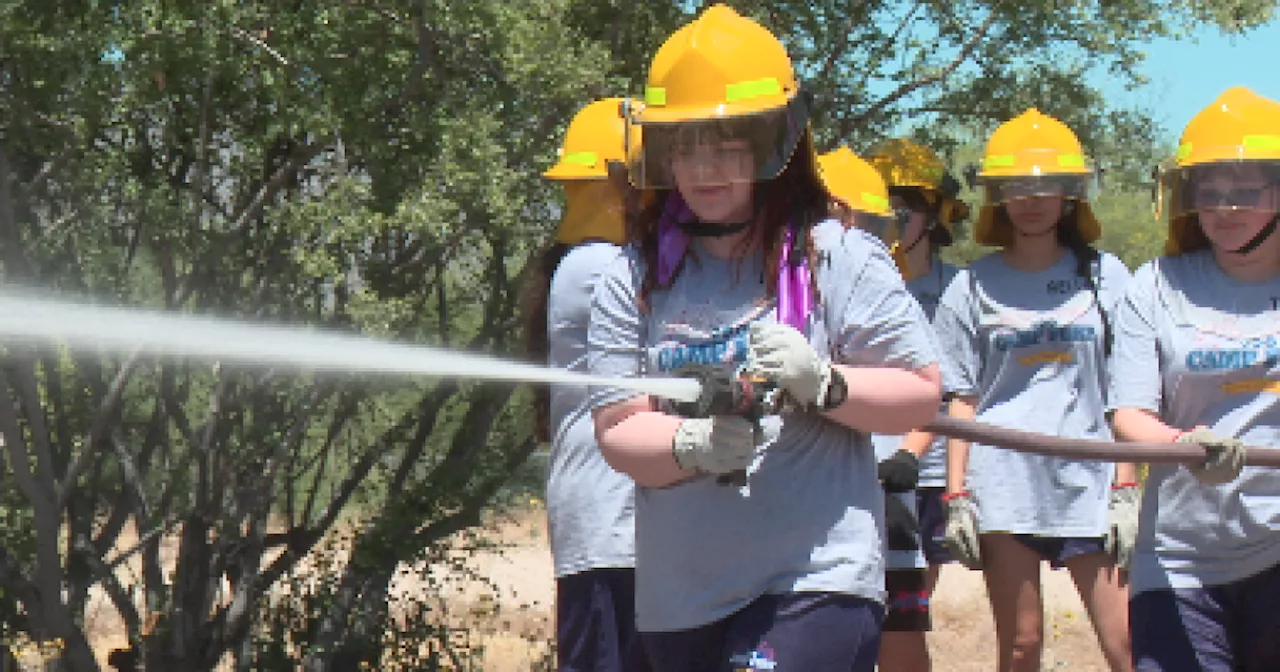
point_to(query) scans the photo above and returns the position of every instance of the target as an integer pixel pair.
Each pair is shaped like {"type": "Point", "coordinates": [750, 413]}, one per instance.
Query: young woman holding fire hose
{"type": "Point", "coordinates": [860, 198]}
{"type": "Point", "coordinates": [590, 507]}
{"type": "Point", "coordinates": [1197, 360]}
{"type": "Point", "coordinates": [1025, 335]}
{"type": "Point", "coordinates": [735, 265]}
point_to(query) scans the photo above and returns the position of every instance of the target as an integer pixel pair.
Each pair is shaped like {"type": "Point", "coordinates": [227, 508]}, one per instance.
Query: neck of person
{"type": "Point", "coordinates": [1034, 253]}
{"type": "Point", "coordinates": [1260, 265]}
{"type": "Point", "coordinates": [920, 258]}
{"type": "Point", "coordinates": [731, 246]}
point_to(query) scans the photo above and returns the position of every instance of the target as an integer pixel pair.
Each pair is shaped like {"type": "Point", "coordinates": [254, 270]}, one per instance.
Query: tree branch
{"type": "Point", "coordinates": [251, 39]}
{"type": "Point", "coordinates": [907, 88]}
{"type": "Point", "coordinates": [301, 156]}
{"type": "Point", "coordinates": [107, 410]}
{"type": "Point", "coordinates": [15, 262]}
{"type": "Point", "coordinates": [119, 596]}
{"type": "Point", "coordinates": [839, 48]}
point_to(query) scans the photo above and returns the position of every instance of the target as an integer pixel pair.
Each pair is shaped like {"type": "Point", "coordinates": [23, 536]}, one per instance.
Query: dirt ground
{"type": "Point", "coordinates": [963, 639]}
{"type": "Point", "coordinates": [518, 580]}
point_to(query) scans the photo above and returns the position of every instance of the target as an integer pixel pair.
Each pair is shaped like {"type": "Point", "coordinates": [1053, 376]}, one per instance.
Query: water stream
{"type": "Point", "coordinates": [84, 327]}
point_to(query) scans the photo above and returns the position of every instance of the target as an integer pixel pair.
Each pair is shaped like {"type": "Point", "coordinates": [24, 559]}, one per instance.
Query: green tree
{"type": "Point", "coordinates": [355, 166]}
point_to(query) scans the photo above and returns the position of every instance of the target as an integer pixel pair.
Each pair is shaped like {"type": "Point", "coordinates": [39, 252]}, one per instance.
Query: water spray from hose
{"type": "Point", "coordinates": [80, 326]}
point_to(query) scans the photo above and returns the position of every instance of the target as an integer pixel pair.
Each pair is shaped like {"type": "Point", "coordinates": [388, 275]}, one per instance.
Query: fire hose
{"type": "Point", "coordinates": [1085, 449]}
{"type": "Point", "coordinates": [736, 394]}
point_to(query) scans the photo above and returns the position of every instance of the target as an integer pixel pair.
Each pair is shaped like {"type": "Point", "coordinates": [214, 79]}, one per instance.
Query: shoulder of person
{"type": "Point", "coordinates": [833, 237]}
{"type": "Point", "coordinates": [1110, 264]}
{"type": "Point", "coordinates": [1180, 270]}
{"type": "Point", "coordinates": [949, 272]}
{"type": "Point", "coordinates": [596, 251]}
{"type": "Point", "coordinates": [1147, 276]}
{"type": "Point", "coordinates": [589, 258]}
{"type": "Point", "coordinates": [621, 264]}
{"type": "Point", "coordinates": [984, 265]}
{"type": "Point", "coordinates": [850, 247]}
{"type": "Point", "coordinates": [959, 287]}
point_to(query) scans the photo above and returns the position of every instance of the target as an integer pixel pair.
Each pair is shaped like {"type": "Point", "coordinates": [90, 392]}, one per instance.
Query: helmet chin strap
{"type": "Point", "coordinates": [1261, 238]}
{"type": "Point", "coordinates": [923, 233]}
{"type": "Point", "coordinates": [700, 229]}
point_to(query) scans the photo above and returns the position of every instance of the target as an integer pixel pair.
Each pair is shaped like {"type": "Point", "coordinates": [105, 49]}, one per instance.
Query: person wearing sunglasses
{"type": "Point", "coordinates": [1025, 335]}
{"type": "Point", "coordinates": [736, 269]}
{"type": "Point", "coordinates": [1198, 360]}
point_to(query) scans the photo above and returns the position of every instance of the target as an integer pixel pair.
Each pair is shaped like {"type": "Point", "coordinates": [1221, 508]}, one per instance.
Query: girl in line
{"type": "Point", "coordinates": [590, 507]}
{"type": "Point", "coordinates": [921, 187]}
{"type": "Point", "coordinates": [734, 266]}
{"type": "Point", "coordinates": [860, 198]}
{"type": "Point", "coordinates": [1025, 334]}
{"type": "Point", "coordinates": [923, 194]}
{"type": "Point", "coordinates": [1198, 359]}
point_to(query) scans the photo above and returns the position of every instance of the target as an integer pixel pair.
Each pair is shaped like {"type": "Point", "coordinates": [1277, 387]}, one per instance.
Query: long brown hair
{"type": "Point", "coordinates": [537, 345]}
{"type": "Point", "coordinates": [796, 195]}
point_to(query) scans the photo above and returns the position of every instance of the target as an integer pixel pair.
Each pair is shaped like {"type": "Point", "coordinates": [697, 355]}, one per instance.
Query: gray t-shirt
{"type": "Point", "coordinates": [590, 507]}
{"type": "Point", "coordinates": [1197, 347]}
{"type": "Point", "coordinates": [927, 290]}
{"type": "Point", "coordinates": [1030, 347]}
{"type": "Point", "coordinates": [811, 516]}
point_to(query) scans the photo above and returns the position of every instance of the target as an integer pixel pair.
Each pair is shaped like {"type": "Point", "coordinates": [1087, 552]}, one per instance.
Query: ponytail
{"type": "Point", "coordinates": [537, 345]}
{"type": "Point", "coordinates": [1086, 256]}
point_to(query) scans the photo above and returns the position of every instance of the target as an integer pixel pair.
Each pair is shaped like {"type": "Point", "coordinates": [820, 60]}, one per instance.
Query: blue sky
{"type": "Point", "coordinates": [1187, 75]}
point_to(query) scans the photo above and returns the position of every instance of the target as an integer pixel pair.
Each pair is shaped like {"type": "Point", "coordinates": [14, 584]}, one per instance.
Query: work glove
{"type": "Point", "coordinates": [1122, 522]}
{"type": "Point", "coordinates": [1224, 456]}
{"type": "Point", "coordinates": [782, 355]}
{"type": "Point", "coordinates": [962, 530]}
{"type": "Point", "coordinates": [716, 445]}
{"type": "Point", "coordinates": [900, 525]}
{"type": "Point", "coordinates": [900, 472]}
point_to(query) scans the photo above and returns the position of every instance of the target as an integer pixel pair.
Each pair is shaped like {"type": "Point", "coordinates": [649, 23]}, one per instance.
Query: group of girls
{"type": "Point", "coordinates": [702, 231]}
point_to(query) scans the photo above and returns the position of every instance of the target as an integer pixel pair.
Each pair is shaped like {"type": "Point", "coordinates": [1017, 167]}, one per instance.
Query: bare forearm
{"type": "Point", "coordinates": [887, 400]}
{"type": "Point", "coordinates": [1141, 426]}
{"type": "Point", "coordinates": [638, 443]}
{"type": "Point", "coordinates": [958, 449]}
{"type": "Point", "coordinates": [1138, 425]}
{"type": "Point", "coordinates": [917, 443]}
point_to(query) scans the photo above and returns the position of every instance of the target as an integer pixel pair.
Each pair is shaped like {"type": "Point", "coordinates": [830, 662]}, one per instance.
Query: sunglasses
{"type": "Point", "coordinates": [1240, 197]}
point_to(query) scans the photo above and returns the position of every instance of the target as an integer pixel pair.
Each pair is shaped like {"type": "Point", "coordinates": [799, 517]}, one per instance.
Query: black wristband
{"type": "Point", "coordinates": [837, 391]}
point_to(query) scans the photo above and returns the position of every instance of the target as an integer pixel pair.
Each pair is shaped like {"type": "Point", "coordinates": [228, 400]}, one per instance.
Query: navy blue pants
{"type": "Point", "coordinates": [1231, 628]}
{"type": "Point", "coordinates": [814, 632]}
{"type": "Point", "coordinates": [596, 623]}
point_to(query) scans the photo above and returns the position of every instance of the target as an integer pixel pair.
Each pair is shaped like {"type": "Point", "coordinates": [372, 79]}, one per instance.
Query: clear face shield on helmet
{"type": "Point", "coordinates": [718, 151]}
{"type": "Point", "coordinates": [888, 228]}
{"type": "Point", "coordinates": [1224, 187]}
{"type": "Point", "coordinates": [1004, 190]}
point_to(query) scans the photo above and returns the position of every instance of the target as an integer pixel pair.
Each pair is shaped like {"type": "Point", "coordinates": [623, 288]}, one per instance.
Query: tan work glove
{"type": "Point", "coordinates": [1122, 522]}
{"type": "Point", "coordinates": [782, 355]}
{"type": "Point", "coordinates": [962, 530]}
{"type": "Point", "coordinates": [716, 445]}
{"type": "Point", "coordinates": [1224, 456]}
